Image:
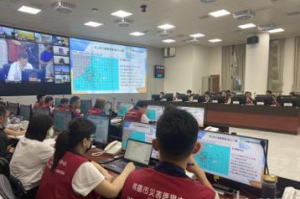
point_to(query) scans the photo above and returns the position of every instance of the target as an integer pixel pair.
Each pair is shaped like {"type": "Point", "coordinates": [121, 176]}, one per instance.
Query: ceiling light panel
{"type": "Point", "coordinates": [197, 35]}
{"type": "Point", "coordinates": [93, 24]}
{"type": "Point", "coordinates": [219, 13]}
{"type": "Point", "coordinates": [246, 26]}
{"type": "Point", "coordinates": [121, 14]}
{"type": "Point", "coordinates": [215, 40]}
{"type": "Point", "coordinates": [169, 41]}
{"type": "Point", "coordinates": [29, 10]}
{"type": "Point", "coordinates": [137, 34]}
{"type": "Point", "coordinates": [166, 26]}
{"type": "Point", "coordinates": [278, 30]}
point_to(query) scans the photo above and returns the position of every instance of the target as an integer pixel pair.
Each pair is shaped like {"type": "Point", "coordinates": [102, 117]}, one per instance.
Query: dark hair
{"type": "Point", "coordinates": [3, 110]}
{"type": "Point", "coordinates": [48, 99]}
{"type": "Point", "coordinates": [162, 93]}
{"type": "Point", "coordinates": [39, 97]}
{"type": "Point", "coordinates": [189, 91]}
{"type": "Point", "coordinates": [176, 133]}
{"type": "Point", "coordinates": [78, 130]}
{"type": "Point", "coordinates": [38, 127]}
{"type": "Point", "coordinates": [141, 104]}
{"type": "Point", "coordinates": [100, 103]}
{"type": "Point", "coordinates": [207, 93]}
{"type": "Point", "coordinates": [269, 92]}
{"type": "Point", "coordinates": [247, 92]}
{"type": "Point", "coordinates": [64, 101]}
{"type": "Point", "coordinates": [22, 56]}
{"type": "Point", "coordinates": [74, 99]}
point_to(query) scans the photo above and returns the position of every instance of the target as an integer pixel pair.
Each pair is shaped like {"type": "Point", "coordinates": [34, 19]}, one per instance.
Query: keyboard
{"type": "Point", "coordinates": [119, 165]}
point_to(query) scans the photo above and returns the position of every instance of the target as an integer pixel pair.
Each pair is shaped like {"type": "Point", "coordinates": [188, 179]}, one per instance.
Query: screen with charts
{"type": "Point", "coordinates": [122, 108]}
{"type": "Point", "coordinates": [154, 112]}
{"type": "Point", "coordinates": [140, 132]}
{"type": "Point", "coordinates": [102, 127]}
{"type": "Point", "coordinates": [98, 67]}
{"type": "Point", "coordinates": [197, 112]}
{"type": "Point", "coordinates": [25, 112]}
{"type": "Point", "coordinates": [237, 158]}
{"type": "Point", "coordinates": [138, 152]}
{"type": "Point", "coordinates": [61, 120]}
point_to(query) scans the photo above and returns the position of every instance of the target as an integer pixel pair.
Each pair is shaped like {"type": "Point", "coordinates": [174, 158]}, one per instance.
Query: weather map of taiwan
{"type": "Point", "coordinates": [98, 67]}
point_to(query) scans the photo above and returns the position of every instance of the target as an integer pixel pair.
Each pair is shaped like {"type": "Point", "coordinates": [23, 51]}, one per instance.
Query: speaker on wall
{"type": "Point", "coordinates": [252, 40]}
{"type": "Point", "coordinates": [170, 52]}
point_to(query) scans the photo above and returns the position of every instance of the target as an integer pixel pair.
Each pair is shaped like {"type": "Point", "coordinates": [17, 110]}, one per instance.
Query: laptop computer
{"type": "Point", "coordinates": [137, 152]}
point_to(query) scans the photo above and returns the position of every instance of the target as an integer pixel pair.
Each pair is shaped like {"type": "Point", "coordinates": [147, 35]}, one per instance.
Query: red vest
{"type": "Point", "coordinates": [134, 115]}
{"type": "Point", "coordinates": [58, 184]}
{"type": "Point", "coordinates": [152, 184]}
{"type": "Point", "coordinates": [38, 104]}
{"type": "Point", "coordinates": [60, 108]}
{"type": "Point", "coordinates": [95, 111]}
{"type": "Point", "coordinates": [75, 114]}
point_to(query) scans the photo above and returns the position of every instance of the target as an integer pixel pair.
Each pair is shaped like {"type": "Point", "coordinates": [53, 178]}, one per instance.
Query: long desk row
{"type": "Point", "coordinates": [266, 118]}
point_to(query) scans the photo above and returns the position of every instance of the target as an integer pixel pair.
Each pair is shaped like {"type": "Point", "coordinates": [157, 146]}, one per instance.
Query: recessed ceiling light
{"type": "Point", "coordinates": [276, 30]}
{"type": "Point", "coordinates": [121, 13]}
{"type": "Point", "coordinates": [197, 35]}
{"type": "Point", "coordinates": [137, 34]}
{"type": "Point", "coordinates": [93, 24]}
{"type": "Point", "coordinates": [166, 26]}
{"type": "Point", "coordinates": [219, 13]}
{"type": "Point", "coordinates": [168, 41]}
{"type": "Point", "coordinates": [215, 40]}
{"type": "Point", "coordinates": [29, 10]}
{"type": "Point", "coordinates": [246, 26]}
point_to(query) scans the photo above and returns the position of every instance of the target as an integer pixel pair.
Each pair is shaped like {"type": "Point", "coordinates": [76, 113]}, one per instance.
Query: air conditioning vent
{"type": "Point", "coordinates": [124, 22]}
{"type": "Point", "coordinates": [63, 7]}
{"type": "Point", "coordinates": [163, 33]}
{"type": "Point", "coordinates": [244, 15]}
{"type": "Point", "coordinates": [266, 27]}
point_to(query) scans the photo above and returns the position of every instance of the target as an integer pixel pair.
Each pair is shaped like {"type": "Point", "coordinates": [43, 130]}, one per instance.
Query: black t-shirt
{"type": "Point", "coordinates": [3, 142]}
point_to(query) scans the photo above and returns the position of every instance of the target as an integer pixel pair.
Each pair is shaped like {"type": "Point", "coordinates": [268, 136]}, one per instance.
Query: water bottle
{"type": "Point", "coordinates": [269, 189]}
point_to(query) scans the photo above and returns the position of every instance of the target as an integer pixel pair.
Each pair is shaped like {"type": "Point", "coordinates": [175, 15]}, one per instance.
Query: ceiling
{"type": "Point", "coordinates": [189, 17]}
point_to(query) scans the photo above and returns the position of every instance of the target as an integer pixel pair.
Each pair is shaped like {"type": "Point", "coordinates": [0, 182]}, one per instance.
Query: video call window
{"type": "Point", "coordinates": [60, 41]}
{"type": "Point", "coordinates": [43, 38]}
{"type": "Point", "coordinates": [59, 50]}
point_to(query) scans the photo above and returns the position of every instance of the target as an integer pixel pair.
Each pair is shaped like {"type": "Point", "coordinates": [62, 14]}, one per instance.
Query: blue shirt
{"type": "Point", "coordinates": [47, 56]}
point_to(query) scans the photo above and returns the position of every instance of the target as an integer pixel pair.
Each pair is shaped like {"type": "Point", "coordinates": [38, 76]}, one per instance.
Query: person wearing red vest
{"type": "Point", "coordinates": [137, 114]}
{"type": "Point", "coordinates": [40, 101]}
{"type": "Point", "coordinates": [249, 100]}
{"type": "Point", "coordinates": [64, 105]}
{"type": "Point", "coordinates": [69, 175]}
{"type": "Point", "coordinates": [98, 107]}
{"type": "Point", "coordinates": [75, 107]}
{"type": "Point", "coordinates": [176, 141]}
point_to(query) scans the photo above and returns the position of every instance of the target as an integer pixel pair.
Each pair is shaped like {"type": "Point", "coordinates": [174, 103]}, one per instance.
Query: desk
{"type": "Point", "coordinates": [266, 118]}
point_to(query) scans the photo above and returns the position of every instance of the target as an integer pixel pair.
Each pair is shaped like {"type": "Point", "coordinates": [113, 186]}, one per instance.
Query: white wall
{"type": "Point", "coordinates": [288, 68]}
{"type": "Point", "coordinates": [155, 57]}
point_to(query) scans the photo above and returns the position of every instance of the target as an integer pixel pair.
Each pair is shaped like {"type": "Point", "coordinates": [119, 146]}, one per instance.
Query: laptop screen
{"type": "Point", "coordinates": [139, 152]}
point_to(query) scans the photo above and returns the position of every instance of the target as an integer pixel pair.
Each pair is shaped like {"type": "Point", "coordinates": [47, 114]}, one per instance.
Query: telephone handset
{"type": "Point", "coordinates": [289, 193]}
{"type": "Point", "coordinates": [113, 148]}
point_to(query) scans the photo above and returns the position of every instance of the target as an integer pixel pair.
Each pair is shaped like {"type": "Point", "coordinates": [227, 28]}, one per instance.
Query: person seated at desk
{"type": "Point", "coordinates": [15, 71]}
{"type": "Point", "coordinates": [269, 93]}
{"type": "Point", "coordinates": [176, 141]}
{"type": "Point", "coordinates": [249, 99]}
{"type": "Point", "coordinates": [207, 97]}
{"type": "Point", "coordinates": [227, 97]}
{"type": "Point", "coordinates": [46, 61]}
{"type": "Point", "coordinates": [69, 174]}
{"type": "Point", "coordinates": [9, 130]}
{"type": "Point", "coordinates": [98, 108]}
{"type": "Point", "coordinates": [274, 102]}
{"type": "Point", "coordinates": [64, 105]}
{"type": "Point", "coordinates": [75, 107]}
{"type": "Point", "coordinates": [177, 96]}
{"type": "Point", "coordinates": [32, 154]}
{"type": "Point", "coordinates": [49, 103]}
{"type": "Point", "coordinates": [137, 114]}
{"type": "Point", "coordinates": [40, 101]}
{"type": "Point", "coordinates": [161, 95]}
{"type": "Point", "coordinates": [3, 137]}
{"type": "Point", "coordinates": [189, 95]}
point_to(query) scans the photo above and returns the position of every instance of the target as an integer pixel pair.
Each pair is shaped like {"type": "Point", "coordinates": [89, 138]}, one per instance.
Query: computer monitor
{"type": "Point", "coordinates": [196, 97]}
{"type": "Point", "coordinates": [183, 97]}
{"type": "Point", "coordinates": [237, 158]}
{"type": "Point", "coordinates": [41, 111]}
{"type": "Point", "coordinates": [25, 112]}
{"type": "Point", "coordinates": [102, 123]}
{"type": "Point", "coordinates": [289, 101]}
{"type": "Point", "coordinates": [239, 99]}
{"type": "Point", "coordinates": [57, 102]}
{"type": "Point", "coordinates": [263, 100]}
{"type": "Point", "coordinates": [197, 112]}
{"type": "Point", "coordinates": [140, 132]}
{"type": "Point", "coordinates": [217, 99]}
{"type": "Point", "coordinates": [169, 97]}
{"type": "Point", "coordinates": [123, 108]}
{"type": "Point", "coordinates": [155, 97]}
{"type": "Point", "coordinates": [85, 105]}
{"type": "Point", "coordinates": [13, 108]}
{"type": "Point", "coordinates": [201, 99]}
{"type": "Point", "coordinates": [154, 112]}
{"type": "Point", "coordinates": [61, 120]}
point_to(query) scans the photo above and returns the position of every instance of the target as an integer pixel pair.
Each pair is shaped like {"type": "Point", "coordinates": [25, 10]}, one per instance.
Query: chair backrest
{"type": "Point", "coordinates": [4, 167]}
{"type": "Point", "coordinates": [5, 188]}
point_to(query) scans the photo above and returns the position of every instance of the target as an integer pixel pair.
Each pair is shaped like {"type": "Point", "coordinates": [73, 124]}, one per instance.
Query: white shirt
{"type": "Point", "coordinates": [145, 119]}
{"type": "Point", "coordinates": [15, 71]}
{"type": "Point", "coordinates": [29, 160]}
{"type": "Point", "coordinates": [86, 179]}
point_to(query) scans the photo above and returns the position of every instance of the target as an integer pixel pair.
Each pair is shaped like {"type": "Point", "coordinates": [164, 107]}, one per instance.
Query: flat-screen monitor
{"type": "Point", "coordinates": [57, 102]}
{"type": "Point", "coordinates": [61, 120]}
{"type": "Point", "coordinates": [286, 101]}
{"type": "Point", "coordinates": [27, 63]}
{"type": "Point", "coordinates": [13, 108]}
{"type": "Point", "coordinates": [99, 67]}
{"type": "Point", "coordinates": [154, 112]}
{"type": "Point", "coordinates": [85, 105]}
{"type": "Point", "coordinates": [140, 132]}
{"type": "Point", "coordinates": [25, 112]}
{"type": "Point", "coordinates": [169, 97]}
{"type": "Point", "coordinates": [263, 100]}
{"type": "Point", "coordinates": [102, 127]}
{"type": "Point", "coordinates": [123, 108]}
{"type": "Point", "coordinates": [197, 112]}
{"type": "Point", "coordinates": [239, 99]}
{"type": "Point", "coordinates": [183, 97]}
{"type": "Point", "coordinates": [237, 158]}
{"type": "Point", "coordinates": [155, 97]}
{"type": "Point", "coordinates": [217, 99]}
